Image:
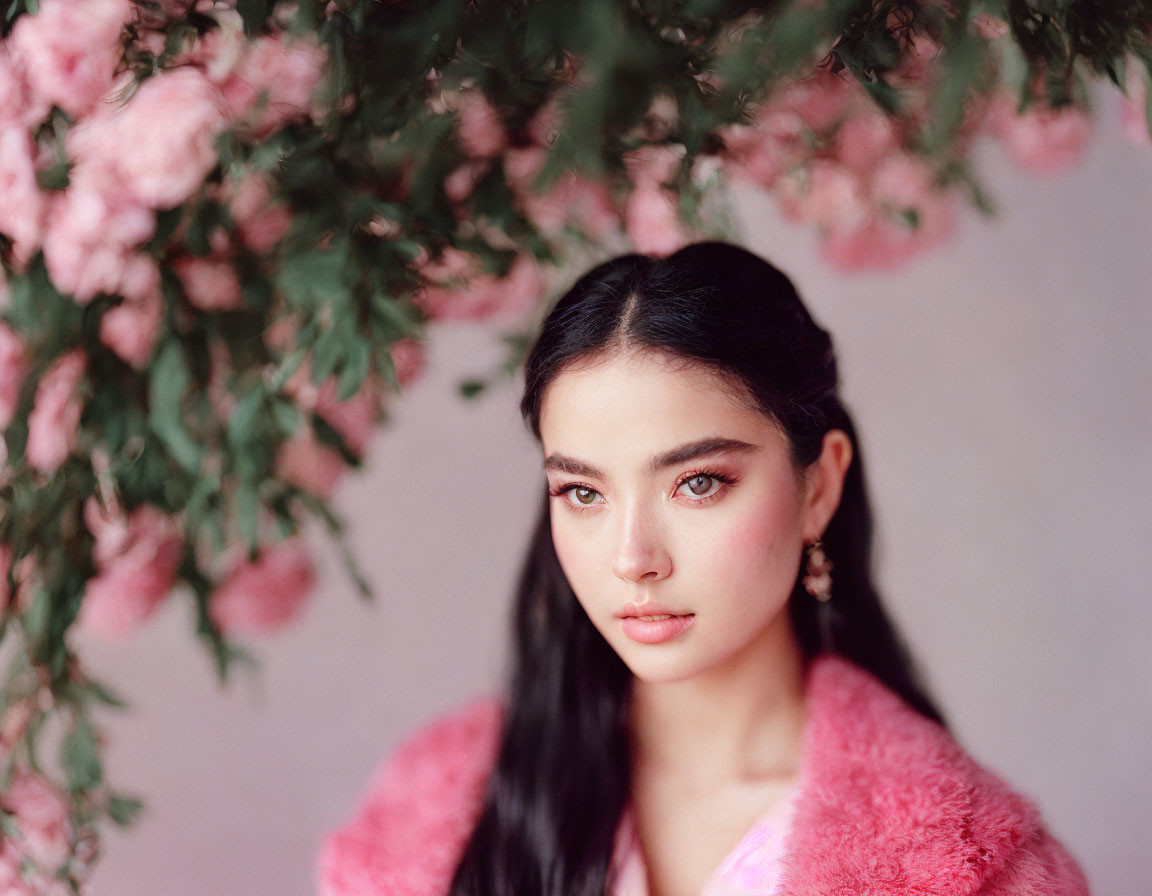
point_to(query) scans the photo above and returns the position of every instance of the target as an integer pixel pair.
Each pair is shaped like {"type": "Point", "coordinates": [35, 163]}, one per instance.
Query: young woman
{"type": "Point", "coordinates": [707, 696]}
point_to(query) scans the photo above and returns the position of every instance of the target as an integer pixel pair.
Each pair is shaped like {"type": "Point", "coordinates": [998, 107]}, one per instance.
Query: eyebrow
{"type": "Point", "coordinates": [675, 457]}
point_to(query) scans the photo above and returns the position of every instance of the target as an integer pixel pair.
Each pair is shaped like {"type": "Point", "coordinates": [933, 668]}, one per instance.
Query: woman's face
{"type": "Point", "coordinates": [677, 513]}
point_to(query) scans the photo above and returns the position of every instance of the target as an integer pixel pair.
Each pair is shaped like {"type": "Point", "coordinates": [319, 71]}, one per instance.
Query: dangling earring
{"type": "Point", "coordinates": [818, 583]}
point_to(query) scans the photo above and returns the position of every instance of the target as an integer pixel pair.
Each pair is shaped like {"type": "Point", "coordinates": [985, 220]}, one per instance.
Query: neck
{"type": "Point", "coordinates": [741, 720]}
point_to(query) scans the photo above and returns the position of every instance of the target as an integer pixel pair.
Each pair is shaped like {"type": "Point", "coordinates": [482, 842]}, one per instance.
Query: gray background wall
{"type": "Point", "coordinates": [1002, 387]}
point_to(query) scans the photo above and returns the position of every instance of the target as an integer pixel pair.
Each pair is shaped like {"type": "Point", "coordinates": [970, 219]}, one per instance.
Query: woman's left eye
{"type": "Point", "coordinates": [700, 485]}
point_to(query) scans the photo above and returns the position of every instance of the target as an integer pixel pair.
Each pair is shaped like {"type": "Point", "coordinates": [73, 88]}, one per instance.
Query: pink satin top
{"type": "Point", "coordinates": [753, 868]}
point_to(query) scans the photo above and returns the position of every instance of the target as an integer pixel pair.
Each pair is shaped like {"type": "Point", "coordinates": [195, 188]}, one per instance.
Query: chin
{"type": "Point", "coordinates": [658, 664]}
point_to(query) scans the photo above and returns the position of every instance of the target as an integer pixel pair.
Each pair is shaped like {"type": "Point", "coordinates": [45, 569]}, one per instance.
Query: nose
{"type": "Point", "coordinates": [641, 555]}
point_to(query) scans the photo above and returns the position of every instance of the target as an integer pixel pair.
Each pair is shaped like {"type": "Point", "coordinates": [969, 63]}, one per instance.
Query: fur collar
{"type": "Point", "coordinates": [889, 805]}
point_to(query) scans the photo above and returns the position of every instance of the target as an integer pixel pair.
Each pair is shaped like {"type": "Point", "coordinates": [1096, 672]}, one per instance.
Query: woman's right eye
{"type": "Point", "coordinates": [581, 496]}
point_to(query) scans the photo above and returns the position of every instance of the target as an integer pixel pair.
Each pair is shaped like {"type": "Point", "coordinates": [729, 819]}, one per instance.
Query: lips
{"type": "Point", "coordinates": [648, 608]}
{"type": "Point", "coordinates": [652, 623]}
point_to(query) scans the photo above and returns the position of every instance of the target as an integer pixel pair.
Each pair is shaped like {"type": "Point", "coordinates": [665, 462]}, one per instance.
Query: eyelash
{"type": "Point", "coordinates": [723, 478]}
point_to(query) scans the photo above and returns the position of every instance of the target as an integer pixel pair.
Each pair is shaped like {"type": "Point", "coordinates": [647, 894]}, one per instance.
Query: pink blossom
{"type": "Point", "coordinates": [23, 207]}
{"type": "Point", "coordinates": [166, 134]}
{"type": "Point", "coordinates": [460, 183]}
{"type": "Point", "coordinates": [69, 50]}
{"type": "Point", "coordinates": [653, 221]}
{"type": "Point", "coordinates": [130, 328]}
{"type": "Point", "coordinates": [13, 368]}
{"type": "Point", "coordinates": [310, 465]}
{"type": "Point", "coordinates": [92, 231]}
{"type": "Point", "coordinates": [273, 83]}
{"type": "Point", "coordinates": [355, 418]}
{"type": "Point", "coordinates": [18, 107]}
{"type": "Point", "coordinates": [264, 595]}
{"type": "Point", "coordinates": [41, 816]}
{"type": "Point", "coordinates": [864, 139]}
{"type": "Point", "coordinates": [15, 718]}
{"type": "Point", "coordinates": [824, 193]}
{"type": "Point", "coordinates": [55, 416]}
{"type": "Point", "coordinates": [885, 241]}
{"type": "Point", "coordinates": [260, 221]}
{"type": "Point", "coordinates": [210, 284]}
{"type": "Point", "coordinates": [459, 291]}
{"type": "Point", "coordinates": [480, 129]}
{"type": "Point", "coordinates": [137, 557]}
{"type": "Point", "coordinates": [1041, 139]}
{"type": "Point", "coordinates": [571, 199]}
{"type": "Point", "coordinates": [820, 100]}
{"type": "Point", "coordinates": [409, 359]}
{"type": "Point", "coordinates": [654, 164]}
{"type": "Point", "coordinates": [1134, 109]}
{"type": "Point", "coordinates": [761, 153]}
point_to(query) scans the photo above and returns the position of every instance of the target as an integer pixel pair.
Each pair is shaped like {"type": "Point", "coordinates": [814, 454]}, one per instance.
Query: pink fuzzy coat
{"type": "Point", "coordinates": [890, 806]}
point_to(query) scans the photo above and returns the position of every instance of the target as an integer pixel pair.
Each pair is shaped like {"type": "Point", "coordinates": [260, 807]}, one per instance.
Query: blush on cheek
{"type": "Point", "coordinates": [770, 532]}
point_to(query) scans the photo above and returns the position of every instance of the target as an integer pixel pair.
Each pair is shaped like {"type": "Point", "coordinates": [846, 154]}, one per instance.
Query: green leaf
{"type": "Point", "coordinates": [472, 387]}
{"type": "Point", "coordinates": [356, 362]}
{"type": "Point", "coordinates": [243, 417]}
{"type": "Point", "coordinates": [168, 379]}
{"type": "Point", "coordinates": [80, 757]}
{"type": "Point", "coordinates": [124, 809]}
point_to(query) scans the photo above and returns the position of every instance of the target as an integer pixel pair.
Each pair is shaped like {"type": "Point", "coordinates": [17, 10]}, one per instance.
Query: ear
{"type": "Point", "coordinates": [824, 482]}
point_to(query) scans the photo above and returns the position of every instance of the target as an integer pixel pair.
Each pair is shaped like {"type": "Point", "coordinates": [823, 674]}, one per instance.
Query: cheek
{"type": "Point", "coordinates": [572, 551]}
{"type": "Point", "coordinates": [757, 544]}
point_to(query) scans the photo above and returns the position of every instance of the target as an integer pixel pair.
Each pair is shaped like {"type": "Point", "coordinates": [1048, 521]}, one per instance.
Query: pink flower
{"type": "Point", "coordinates": [210, 284]}
{"type": "Point", "coordinates": [571, 199]}
{"type": "Point", "coordinates": [460, 183]}
{"type": "Point", "coordinates": [307, 464]}
{"type": "Point", "coordinates": [55, 416]}
{"type": "Point", "coordinates": [820, 100]}
{"type": "Point", "coordinates": [18, 107]}
{"type": "Point", "coordinates": [761, 153]}
{"type": "Point", "coordinates": [15, 718]}
{"type": "Point", "coordinates": [165, 136]}
{"type": "Point", "coordinates": [653, 221]}
{"type": "Point", "coordinates": [264, 595]}
{"type": "Point", "coordinates": [130, 328]}
{"type": "Point", "coordinates": [409, 359]}
{"type": "Point", "coordinates": [355, 419]}
{"type": "Point", "coordinates": [260, 221]}
{"type": "Point", "coordinates": [1041, 139]}
{"type": "Point", "coordinates": [824, 193]}
{"type": "Point", "coordinates": [23, 206]}
{"type": "Point", "coordinates": [273, 82]}
{"type": "Point", "coordinates": [480, 128]}
{"type": "Point", "coordinates": [69, 50]}
{"type": "Point", "coordinates": [458, 290]}
{"type": "Point", "coordinates": [92, 232]}
{"type": "Point", "coordinates": [13, 368]}
{"type": "Point", "coordinates": [864, 139]}
{"type": "Point", "coordinates": [654, 164]}
{"type": "Point", "coordinates": [137, 558]}
{"type": "Point", "coordinates": [41, 816]}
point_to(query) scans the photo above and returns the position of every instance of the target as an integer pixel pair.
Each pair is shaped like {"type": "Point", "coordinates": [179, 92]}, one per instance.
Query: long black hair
{"type": "Point", "coordinates": [563, 771]}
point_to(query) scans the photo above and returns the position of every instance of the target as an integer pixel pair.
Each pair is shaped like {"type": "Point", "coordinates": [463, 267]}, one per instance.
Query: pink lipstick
{"type": "Point", "coordinates": [650, 623]}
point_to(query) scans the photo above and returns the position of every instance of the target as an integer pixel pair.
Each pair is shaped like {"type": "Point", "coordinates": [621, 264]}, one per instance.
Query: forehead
{"type": "Point", "coordinates": [638, 402]}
